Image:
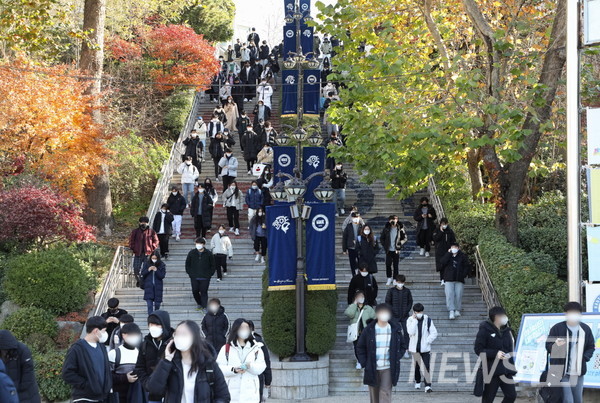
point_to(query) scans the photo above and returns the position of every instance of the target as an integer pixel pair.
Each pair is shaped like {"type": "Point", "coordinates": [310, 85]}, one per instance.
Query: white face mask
{"type": "Point", "coordinates": [163, 210]}
{"type": "Point", "coordinates": [213, 308]}
{"type": "Point", "coordinates": [384, 316]}
{"type": "Point", "coordinates": [154, 260]}
{"type": "Point", "coordinates": [232, 188]}
{"type": "Point", "coordinates": [188, 163]}
{"type": "Point", "coordinates": [199, 246]}
{"type": "Point", "coordinates": [228, 155]}
{"type": "Point", "coordinates": [399, 285]}
{"type": "Point", "coordinates": [454, 251]}
{"type": "Point", "coordinates": [174, 193]}
{"type": "Point", "coordinates": [102, 337]}
{"type": "Point", "coordinates": [364, 273]}
{"type": "Point", "coordinates": [221, 231]}
{"type": "Point", "coordinates": [156, 331]}
{"type": "Point", "coordinates": [444, 226]}
{"type": "Point", "coordinates": [367, 231]}
{"type": "Point", "coordinates": [254, 187]}
{"type": "Point", "coordinates": [338, 167]}
{"type": "Point", "coordinates": [133, 340]}
{"type": "Point", "coordinates": [360, 300]}
{"type": "Point", "coordinates": [194, 135]}
{"type": "Point", "coordinates": [244, 334]}
{"type": "Point", "coordinates": [356, 220]}
{"type": "Point", "coordinates": [504, 320]}
{"type": "Point", "coordinates": [260, 214]}
{"type": "Point", "coordinates": [419, 316]}
{"type": "Point", "coordinates": [183, 343]}
{"type": "Point", "coordinates": [200, 190]}
{"type": "Point", "coordinates": [573, 317]}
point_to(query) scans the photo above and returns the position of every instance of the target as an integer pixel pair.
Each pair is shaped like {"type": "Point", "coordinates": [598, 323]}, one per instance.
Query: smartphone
{"type": "Point", "coordinates": [172, 349]}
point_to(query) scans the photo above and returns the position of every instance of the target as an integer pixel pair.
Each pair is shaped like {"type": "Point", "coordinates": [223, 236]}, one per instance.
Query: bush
{"type": "Point", "coordinates": [66, 336]}
{"type": "Point", "coordinates": [50, 279]}
{"type": "Point", "coordinates": [544, 262]}
{"type": "Point", "coordinates": [96, 258]}
{"type": "Point", "coordinates": [321, 330]}
{"type": "Point", "coordinates": [40, 343]}
{"type": "Point", "coordinates": [48, 370]}
{"type": "Point", "coordinates": [178, 107]}
{"type": "Point", "coordinates": [278, 319]}
{"type": "Point", "coordinates": [28, 321]}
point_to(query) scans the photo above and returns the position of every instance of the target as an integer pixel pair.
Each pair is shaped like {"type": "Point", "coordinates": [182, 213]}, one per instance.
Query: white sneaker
{"type": "Point", "coordinates": [262, 259]}
{"type": "Point", "coordinates": [426, 254]}
{"type": "Point", "coordinates": [250, 172]}
{"type": "Point", "coordinates": [389, 281]}
{"type": "Point", "coordinates": [342, 211]}
{"type": "Point", "coordinates": [442, 283]}
{"type": "Point", "coordinates": [422, 252]}
{"type": "Point", "coordinates": [337, 215]}
{"type": "Point", "coordinates": [406, 354]}
{"type": "Point", "coordinates": [225, 273]}
{"type": "Point", "coordinates": [245, 99]}
{"type": "Point", "coordinates": [177, 238]}
{"type": "Point", "coordinates": [237, 231]}
{"type": "Point", "coordinates": [231, 229]}
{"type": "Point", "coordinates": [428, 389]}
{"type": "Point", "coordinates": [358, 366]}
{"type": "Point", "coordinates": [256, 258]}
{"type": "Point", "coordinates": [417, 385]}
{"type": "Point", "coordinates": [173, 236]}
{"type": "Point", "coordinates": [457, 313]}
{"type": "Point", "coordinates": [218, 280]}
{"type": "Point", "coordinates": [451, 316]}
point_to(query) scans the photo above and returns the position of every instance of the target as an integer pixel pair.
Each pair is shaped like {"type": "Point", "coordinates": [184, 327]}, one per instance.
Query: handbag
{"type": "Point", "coordinates": [352, 334]}
{"type": "Point", "coordinates": [478, 388]}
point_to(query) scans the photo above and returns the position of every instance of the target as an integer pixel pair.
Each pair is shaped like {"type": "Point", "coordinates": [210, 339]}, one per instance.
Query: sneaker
{"type": "Point", "coordinates": [451, 316]}
{"type": "Point", "coordinates": [457, 313]}
{"type": "Point", "coordinates": [342, 211]}
{"type": "Point", "coordinates": [225, 273]}
{"type": "Point", "coordinates": [337, 215]}
{"type": "Point", "coordinates": [389, 281]}
{"type": "Point", "coordinates": [166, 256]}
{"type": "Point", "coordinates": [173, 236]}
{"type": "Point", "coordinates": [245, 99]}
{"type": "Point", "coordinates": [237, 231]}
{"type": "Point", "coordinates": [231, 229]}
{"type": "Point", "coordinates": [250, 172]}
{"type": "Point", "coordinates": [418, 385]}
{"type": "Point", "coordinates": [257, 258]}
{"type": "Point", "coordinates": [428, 389]}
{"type": "Point", "coordinates": [262, 259]}
{"type": "Point", "coordinates": [422, 252]}
{"type": "Point", "coordinates": [442, 283]}
{"type": "Point", "coordinates": [426, 254]}
{"type": "Point", "coordinates": [358, 366]}
{"type": "Point", "coordinates": [406, 354]}
{"type": "Point", "coordinates": [218, 280]}
{"type": "Point", "coordinates": [217, 179]}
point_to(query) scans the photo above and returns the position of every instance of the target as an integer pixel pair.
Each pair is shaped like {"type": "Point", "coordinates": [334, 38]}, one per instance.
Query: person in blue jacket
{"type": "Point", "coordinates": [153, 272]}
{"type": "Point", "coordinates": [254, 200]}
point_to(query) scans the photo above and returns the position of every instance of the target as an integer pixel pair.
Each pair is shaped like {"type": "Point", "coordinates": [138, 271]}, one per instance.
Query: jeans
{"type": "Point", "coordinates": [422, 364]}
{"type": "Point", "coordinates": [152, 306]}
{"type": "Point", "coordinates": [163, 244]}
{"type": "Point", "coordinates": [221, 263]}
{"type": "Point", "coordinates": [260, 245]}
{"type": "Point", "coordinates": [353, 256]}
{"type": "Point", "coordinates": [382, 393]}
{"type": "Point", "coordinates": [391, 258]}
{"type": "Point", "coordinates": [177, 224]}
{"type": "Point", "coordinates": [188, 188]}
{"type": "Point", "coordinates": [572, 389]}
{"type": "Point", "coordinates": [454, 293]}
{"type": "Point", "coordinates": [200, 290]}
{"type": "Point", "coordinates": [490, 389]}
{"type": "Point", "coordinates": [233, 216]}
{"type": "Point", "coordinates": [340, 199]}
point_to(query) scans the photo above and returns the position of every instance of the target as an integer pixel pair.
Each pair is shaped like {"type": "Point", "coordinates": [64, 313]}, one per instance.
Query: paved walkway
{"type": "Point", "coordinates": [416, 397]}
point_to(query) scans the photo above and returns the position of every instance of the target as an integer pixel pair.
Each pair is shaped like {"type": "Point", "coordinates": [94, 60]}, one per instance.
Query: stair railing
{"type": "Point", "coordinates": [434, 199]}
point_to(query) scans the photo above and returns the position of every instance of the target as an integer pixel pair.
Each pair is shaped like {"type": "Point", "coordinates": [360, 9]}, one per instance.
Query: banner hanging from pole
{"type": "Point", "coordinates": [281, 235]}
{"type": "Point", "coordinates": [312, 91]}
{"type": "Point", "coordinates": [305, 8]}
{"type": "Point", "coordinates": [313, 160]}
{"type": "Point", "coordinates": [593, 176]}
{"type": "Point", "coordinates": [593, 251]}
{"type": "Point", "coordinates": [284, 160]}
{"type": "Point", "coordinates": [307, 39]}
{"type": "Point", "coordinates": [289, 40]}
{"type": "Point", "coordinates": [320, 247]}
{"type": "Point", "coordinates": [592, 298]}
{"type": "Point", "coordinates": [289, 97]}
{"type": "Point", "coordinates": [593, 135]}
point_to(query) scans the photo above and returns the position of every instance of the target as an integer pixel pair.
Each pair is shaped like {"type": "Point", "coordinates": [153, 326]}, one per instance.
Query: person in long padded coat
{"type": "Point", "coordinates": [153, 272]}
{"type": "Point", "coordinates": [365, 282]}
{"type": "Point", "coordinates": [215, 324]}
{"type": "Point", "coordinates": [188, 371]}
{"type": "Point", "coordinates": [367, 249]}
{"type": "Point", "coordinates": [251, 145]}
{"type": "Point", "coordinates": [444, 237]}
{"type": "Point", "coordinates": [19, 367]}
{"type": "Point", "coordinates": [202, 211]}
{"type": "Point", "coordinates": [400, 299]}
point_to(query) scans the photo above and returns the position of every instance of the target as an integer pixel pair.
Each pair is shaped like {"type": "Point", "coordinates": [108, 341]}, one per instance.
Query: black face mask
{"type": "Point", "coordinates": [143, 226]}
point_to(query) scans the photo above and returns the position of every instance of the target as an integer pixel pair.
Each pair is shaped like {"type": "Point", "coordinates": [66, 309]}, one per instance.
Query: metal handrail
{"type": "Point", "coordinates": [434, 199]}
{"type": "Point", "coordinates": [484, 282]}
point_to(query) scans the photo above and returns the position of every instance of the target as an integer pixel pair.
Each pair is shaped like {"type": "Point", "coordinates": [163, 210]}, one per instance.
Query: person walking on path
{"type": "Point", "coordinates": [202, 211]}
{"type": "Point", "coordinates": [232, 114]}
{"type": "Point", "coordinates": [425, 217]}
{"type": "Point", "coordinates": [142, 242]}
{"type": "Point", "coordinates": [338, 182]}
{"type": "Point", "coordinates": [357, 310]}
{"type": "Point", "coordinates": [264, 91]}
{"type": "Point", "coordinates": [215, 324]}
{"type": "Point", "coordinates": [380, 348]}
{"type": "Point", "coordinates": [267, 376]}
{"type": "Point", "coordinates": [261, 113]}
{"type": "Point", "coordinates": [221, 247]}
{"type": "Point", "coordinates": [194, 147]}
{"type": "Point", "coordinates": [422, 333]}
{"type": "Point", "coordinates": [400, 299]}
{"type": "Point", "coordinates": [153, 273]}
{"type": "Point", "coordinates": [189, 174]}
{"type": "Point", "coordinates": [122, 361]}
{"type": "Point", "coordinates": [456, 267]}
{"type": "Point", "coordinates": [200, 127]}
{"type": "Point", "coordinates": [242, 126]}
{"type": "Point", "coordinates": [393, 237]}
{"type": "Point", "coordinates": [233, 202]}
{"type": "Point", "coordinates": [19, 366]}
{"type": "Point", "coordinates": [365, 282]}
{"type": "Point", "coordinates": [350, 241]}
{"type": "Point", "coordinates": [113, 316]}
{"type": "Point", "coordinates": [163, 226]}
{"type": "Point", "coordinates": [217, 151]}
{"type": "Point", "coordinates": [258, 233]}
{"type": "Point", "coordinates": [176, 204]}
{"type": "Point", "coordinates": [200, 266]}
{"type": "Point", "coordinates": [367, 249]}
{"type": "Point", "coordinates": [254, 200]}
{"type": "Point", "coordinates": [251, 145]}
{"type": "Point", "coordinates": [444, 237]}
{"type": "Point", "coordinates": [116, 338]}
{"type": "Point", "coordinates": [86, 369]}
{"type": "Point", "coordinates": [229, 167]}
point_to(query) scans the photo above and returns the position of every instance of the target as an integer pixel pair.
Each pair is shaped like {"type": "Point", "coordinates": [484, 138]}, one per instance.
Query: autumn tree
{"type": "Point", "coordinates": [447, 84]}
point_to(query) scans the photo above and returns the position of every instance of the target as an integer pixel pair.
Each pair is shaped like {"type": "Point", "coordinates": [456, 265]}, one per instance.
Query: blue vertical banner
{"type": "Point", "coordinates": [289, 40]}
{"type": "Point", "coordinates": [306, 39]}
{"type": "Point", "coordinates": [312, 91]}
{"type": "Point", "coordinates": [281, 233]}
{"type": "Point", "coordinates": [288, 6]}
{"type": "Point", "coordinates": [320, 241]}
{"type": "Point", "coordinates": [313, 160]}
{"type": "Point", "coordinates": [289, 97]}
{"type": "Point", "coordinates": [305, 8]}
{"type": "Point", "coordinates": [284, 160]}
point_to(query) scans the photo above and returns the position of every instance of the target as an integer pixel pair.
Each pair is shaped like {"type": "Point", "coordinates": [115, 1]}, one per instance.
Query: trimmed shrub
{"type": "Point", "coordinates": [279, 322]}
{"type": "Point", "coordinates": [40, 343]}
{"type": "Point", "coordinates": [66, 336]}
{"type": "Point", "coordinates": [50, 279]}
{"type": "Point", "coordinates": [178, 107]}
{"type": "Point", "coordinates": [48, 370]}
{"type": "Point", "coordinates": [321, 330]}
{"type": "Point", "coordinates": [551, 241]}
{"type": "Point", "coordinates": [28, 321]}
{"type": "Point", "coordinates": [544, 262]}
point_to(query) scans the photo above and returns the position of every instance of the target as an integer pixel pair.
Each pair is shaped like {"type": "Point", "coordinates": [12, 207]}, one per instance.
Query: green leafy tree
{"type": "Point", "coordinates": [211, 18]}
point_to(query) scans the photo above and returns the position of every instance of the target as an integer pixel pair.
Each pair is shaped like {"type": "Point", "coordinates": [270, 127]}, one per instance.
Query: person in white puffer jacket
{"type": "Point", "coordinates": [221, 247]}
{"type": "Point", "coordinates": [189, 175]}
{"type": "Point", "coordinates": [422, 333]}
{"type": "Point", "coordinates": [242, 361]}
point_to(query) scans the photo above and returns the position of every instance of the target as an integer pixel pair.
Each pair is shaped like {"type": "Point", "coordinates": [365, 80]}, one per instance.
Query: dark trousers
{"type": "Point", "coordinates": [422, 364]}
{"type": "Point", "coordinates": [260, 244]}
{"type": "Point", "coordinates": [217, 167]}
{"type": "Point", "coordinates": [163, 244]}
{"type": "Point", "coordinates": [199, 226]}
{"type": "Point", "coordinates": [233, 216]}
{"type": "Point", "coordinates": [250, 163]}
{"type": "Point", "coordinates": [353, 256]}
{"type": "Point", "coordinates": [490, 390]}
{"type": "Point", "coordinates": [138, 261]}
{"type": "Point", "coordinates": [227, 181]}
{"type": "Point", "coordinates": [221, 263]}
{"type": "Point", "coordinates": [424, 238]}
{"type": "Point", "coordinates": [152, 306]}
{"type": "Point", "coordinates": [200, 290]}
{"type": "Point", "coordinates": [391, 258]}
{"type": "Point", "coordinates": [196, 162]}
{"type": "Point", "coordinates": [404, 331]}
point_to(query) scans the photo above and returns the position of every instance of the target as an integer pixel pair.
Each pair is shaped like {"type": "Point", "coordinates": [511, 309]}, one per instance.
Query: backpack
{"type": "Point", "coordinates": [8, 391]}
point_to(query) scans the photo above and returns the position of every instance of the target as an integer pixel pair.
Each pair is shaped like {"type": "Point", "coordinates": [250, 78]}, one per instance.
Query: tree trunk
{"type": "Point", "coordinates": [99, 203]}
{"type": "Point", "coordinates": [473, 158]}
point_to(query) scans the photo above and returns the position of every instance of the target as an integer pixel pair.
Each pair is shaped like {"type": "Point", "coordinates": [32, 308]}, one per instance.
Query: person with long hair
{"type": "Point", "coordinates": [188, 372]}
{"type": "Point", "coordinates": [367, 249]}
{"type": "Point", "coordinates": [233, 202]}
{"type": "Point", "coordinates": [258, 233]}
{"type": "Point", "coordinates": [152, 275]}
{"type": "Point", "coordinates": [242, 361]}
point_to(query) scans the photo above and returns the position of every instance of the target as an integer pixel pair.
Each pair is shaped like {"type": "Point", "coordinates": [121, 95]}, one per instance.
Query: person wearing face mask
{"type": "Point", "coordinates": [251, 144]}
{"type": "Point", "coordinates": [258, 233]}
{"type": "Point", "coordinates": [163, 226]}
{"type": "Point", "coordinates": [189, 174]}
{"type": "Point", "coordinates": [122, 363]}
{"type": "Point", "coordinates": [422, 333]}
{"type": "Point", "coordinates": [444, 237]}
{"type": "Point", "coordinates": [234, 203]}
{"type": "Point", "coordinates": [365, 282]}
{"type": "Point", "coordinates": [18, 363]}
{"type": "Point", "coordinates": [200, 127]}
{"type": "Point", "coordinates": [112, 316]}
{"type": "Point", "coordinates": [380, 348]}
{"type": "Point", "coordinates": [210, 190]}
{"type": "Point", "coordinates": [265, 156]}
{"type": "Point", "coordinates": [202, 211]}
{"type": "Point", "coordinates": [219, 112]}
{"type": "Point", "coordinates": [232, 113]}
{"type": "Point", "coordinates": [570, 344]}
{"type": "Point", "coordinates": [188, 372]}
{"type": "Point", "coordinates": [116, 338]}
{"type": "Point", "coordinates": [360, 312]}
{"type": "Point", "coordinates": [367, 249]}
{"type": "Point", "coordinates": [456, 267]}
{"type": "Point", "coordinates": [495, 344]}
{"type": "Point", "coordinates": [349, 218]}
{"type": "Point", "coordinates": [393, 237]}
{"type": "Point", "coordinates": [242, 126]}
{"type": "Point", "coordinates": [200, 266]}
{"type": "Point", "coordinates": [400, 299]}
{"type": "Point", "coordinates": [86, 369]}
{"type": "Point", "coordinates": [194, 147]}
{"type": "Point", "coordinates": [265, 182]}
{"type": "Point", "coordinates": [217, 151]}
{"type": "Point", "coordinates": [176, 204]}
{"type": "Point", "coordinates": [153, 274]}
{"type": "Point", "coordinates": [254, 200]}
{"type": "Point", "coordinates": [142, 241]}
{"type": "Point", "coordinates": [350, 240]}
{"type": "Point", "coordinates": [242, 361]}
{"type": "Point", "coordinates": [264, 91]}
{"type": "Point", "coordinates": [261, 112]}
{"type": "Point", "coordinates": [338, 183]}
{"type": "Point", "coordinates": [229, 166]}
{"type": "Point", "coordinates": [152, 349]}
{"type": "Point", "coordinates": [425, 217]}
{"type": "Point", "coordinates": [221, 247]}
{"type": "Point", "coordinates": [215, 324]}
{"type": "Point", "coordinates": [215, 125]}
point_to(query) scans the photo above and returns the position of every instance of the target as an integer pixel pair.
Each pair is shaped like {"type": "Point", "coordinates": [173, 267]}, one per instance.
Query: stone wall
{"type": "Point", "coordinates": [300, 380]}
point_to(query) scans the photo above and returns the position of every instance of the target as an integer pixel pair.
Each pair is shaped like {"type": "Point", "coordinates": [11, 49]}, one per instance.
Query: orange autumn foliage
{"type": "Point", "coordinates": [46, 126]}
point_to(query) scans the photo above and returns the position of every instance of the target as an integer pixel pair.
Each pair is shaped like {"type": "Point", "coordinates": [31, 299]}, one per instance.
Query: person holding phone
{"type": "Point", "coordinates": [122, 364]}
{"type": "Point", "coordinates": [188, 372]}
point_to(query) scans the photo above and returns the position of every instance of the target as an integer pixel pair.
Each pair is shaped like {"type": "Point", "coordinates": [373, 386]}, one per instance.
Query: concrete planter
{"type": "Point", "coordinates": [300, 380]}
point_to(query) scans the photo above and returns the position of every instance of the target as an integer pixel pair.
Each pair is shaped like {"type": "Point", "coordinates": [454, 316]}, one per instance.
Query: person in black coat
{"type": "Point", "coordinates": [217, 151]}
{"type": "Point", "coordinates": [237, 93]}
{"type": "Point", "coordinates": [19, 367]}
{"type": "Point", "coordinates": [215, 324]}
{"type": "Point", "coordinates": [112, 315]}
{"type": "Point", "coordinates": [261, 112]}
{"type": "Point", "coordinates": [425, 217]}
{"type": "Point", "coordinates": [176, 204]}
{"type": "Point", "coordinates": [381, 381]}
{"type": "Point", "coordinates": [86, 368]}
{"type": "Point", "coordinates": [251, 145]}
{"type": "Point", "coordinates": [350, 241]}
{"type": "Point", "coordinates": [153, 273]}
{"type": "Point", "coordinates": [253, 37]}
{"type": "Point", "coordinates": [267, 375]}
{"type": "Point", "coordinates": [456, 267]}
{"type": "Point", "coordinates": [392, 239]}
{"type": "Point", "coordinates": [188, 346]}
{"type": "Point", "coordinates": [242, 126]}
{"type": "Point", "coordinates": [248, 77]}
{"type": "Point", "coordinates": [363, 281]}
{"type": "Point", "coordinates": [444, 237]}
{"type": "Point", "coordinates": [202, 211]}
{"type": "Point", "coordinates": [195, 149]}
{"type": "Point", "coordinates": [400, 299]}
{"type": "Point", "coordinates": [163, 226]}
{"type": "Point", "coordinates": [367, 249]}
{"type": "Point", "coordinates": [495, 344]}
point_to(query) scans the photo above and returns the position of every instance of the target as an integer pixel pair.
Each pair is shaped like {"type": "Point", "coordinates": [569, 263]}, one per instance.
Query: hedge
{"type": "Point", "coordinates": [48, 369]}
{"type": "Point", "coordinates": [321, 321]}
{"type": "Point", "coordinates": [178, 107]}
{"type": "Point", "coordinates": [28, 321]}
